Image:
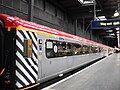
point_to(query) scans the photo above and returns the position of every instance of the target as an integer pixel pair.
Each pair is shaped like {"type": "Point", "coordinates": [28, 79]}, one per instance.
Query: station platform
{"type": "Point", "coordinates": [103, 75]}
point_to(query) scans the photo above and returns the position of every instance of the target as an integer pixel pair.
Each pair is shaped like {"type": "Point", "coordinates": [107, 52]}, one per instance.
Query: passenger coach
{"type": "Point", "coordinates": [32, 53]}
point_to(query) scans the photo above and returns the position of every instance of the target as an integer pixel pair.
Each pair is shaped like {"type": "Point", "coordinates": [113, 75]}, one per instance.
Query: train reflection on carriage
{"type": "Point", "coordinates": [32, 53]}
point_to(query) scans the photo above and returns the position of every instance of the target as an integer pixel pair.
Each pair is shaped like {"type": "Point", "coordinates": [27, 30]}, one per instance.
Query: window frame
{"type": "Point", "coordinates": [68, 49]}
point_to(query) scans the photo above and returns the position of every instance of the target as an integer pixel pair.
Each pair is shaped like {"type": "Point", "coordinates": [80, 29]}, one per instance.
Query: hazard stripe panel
{"type": "Point", "coordinates": [26, 68]}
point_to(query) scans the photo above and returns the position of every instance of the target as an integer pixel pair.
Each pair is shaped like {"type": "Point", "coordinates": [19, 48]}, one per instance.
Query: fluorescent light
{"type": "Point", "coordinates": [116, 13]}
{"type": "Point", "coordinates": [81, 1]}
{"type": "Point", "coordinates": [86, 2]}
{"type": "Point", "coordinates": [109, 31]}
{"type": "Point", "coordinates": [117, 32]}
{"type": "Point", "coordinates": [112, 34]}
{"type": "Point", "coordinates": [102, 18]}
{"type": "Point", "coordinates": [109, 36]}
{"type": "Point", "coordinates": [117, 28]}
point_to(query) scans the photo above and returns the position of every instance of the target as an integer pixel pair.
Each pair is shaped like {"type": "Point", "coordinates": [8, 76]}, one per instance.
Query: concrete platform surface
{"type": "Point", "coordinates": [103, 75]}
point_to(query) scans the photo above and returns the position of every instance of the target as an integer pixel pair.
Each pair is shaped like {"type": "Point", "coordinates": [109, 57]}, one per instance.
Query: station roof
{"type": "Point", "coordinates": [74, 7]}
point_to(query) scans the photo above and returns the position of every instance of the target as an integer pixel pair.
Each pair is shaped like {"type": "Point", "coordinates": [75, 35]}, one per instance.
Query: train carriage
{"type": "Point", "coordinates": [32, 53]}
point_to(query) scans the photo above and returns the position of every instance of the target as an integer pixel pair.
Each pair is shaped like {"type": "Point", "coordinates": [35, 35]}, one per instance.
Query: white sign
{"type": "Point", "coordinates": [55, 49]}
{"type": "Point", "coordinates": [49, 45]}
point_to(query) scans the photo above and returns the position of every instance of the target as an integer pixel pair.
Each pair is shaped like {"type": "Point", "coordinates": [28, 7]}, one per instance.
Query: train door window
{"type": "Point", "coordinates": [28, 48]}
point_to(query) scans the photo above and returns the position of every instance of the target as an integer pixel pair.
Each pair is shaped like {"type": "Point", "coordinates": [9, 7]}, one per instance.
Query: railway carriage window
{"type": "Point", "coordinates": [61, 49]}
{"type": "Point", "coordinates": [99, 49]}
{"type": "Point", "coordinates": [102, 49]}
{"type": "Point", "coordinates": [69, 49]}
{"type": "Point", "coordinates": [76, 48]}
{"type": "Point", "coordinates": [95, 49]}
{"type": "Point", "coordinates": [66, 49]}
{"type": "Point", "coordinates": [85, 49]}
{"type": "Point", "coordinates": [28, 48]}
{"type": "Point", "coordinates": [89, 49]}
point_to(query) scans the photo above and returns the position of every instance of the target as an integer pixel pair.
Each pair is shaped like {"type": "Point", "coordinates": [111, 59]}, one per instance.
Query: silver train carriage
{"type": "Point", "coordinates": [32, 53]}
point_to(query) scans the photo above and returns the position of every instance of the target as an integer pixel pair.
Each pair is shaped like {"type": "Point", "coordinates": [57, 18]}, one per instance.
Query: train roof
{"type": "Point", "coordinates": [14, 22]}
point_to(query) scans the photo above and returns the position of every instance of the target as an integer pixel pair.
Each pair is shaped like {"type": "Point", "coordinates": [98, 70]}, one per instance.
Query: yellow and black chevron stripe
{"type": "Point", "coordinates": [26, 68]}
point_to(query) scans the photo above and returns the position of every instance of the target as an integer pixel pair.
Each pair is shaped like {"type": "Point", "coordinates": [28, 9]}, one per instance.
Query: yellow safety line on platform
{"type": "Point", "coordinates": [30, 87]}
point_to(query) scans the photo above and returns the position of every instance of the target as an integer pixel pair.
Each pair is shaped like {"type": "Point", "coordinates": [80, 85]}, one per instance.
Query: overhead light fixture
{"type": "Point", "coordinates": [102, 18]}
{"type": "Point", "coordinates": [117, 28]}
{"type": "Point", "coordinates": [116, 14]}
{"type": "Point", "coordinates": [117, 32]}
{"type": "Point", "coordinates": [96, 10]}
{"type": "Point", "coordinates": [112, 34]}
{"type": "Point", "coordinates": [109, 31]}
{"type": "Point", "coordinates": [86, 2]}
{"type": "Point", "coordinates": [109, 36]}
{"type": "Point", "coordinates": [81, 1]}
